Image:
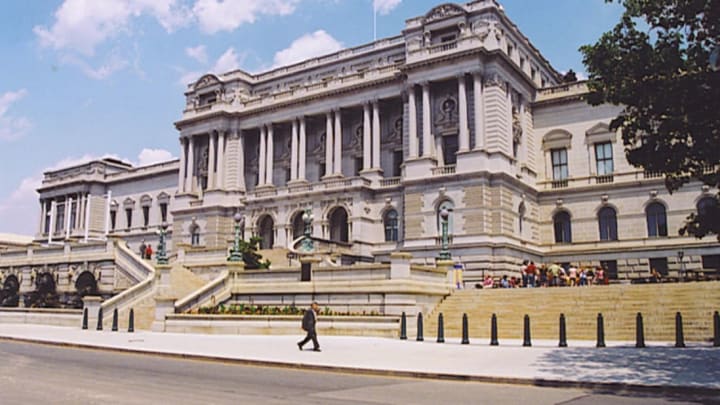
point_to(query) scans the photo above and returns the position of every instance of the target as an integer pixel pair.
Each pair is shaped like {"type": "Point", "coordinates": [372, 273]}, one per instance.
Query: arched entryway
{"type": "Point", "coordinates": [9, 294]}
{"type": "Point", "coordinates": [86, 284]}
{"type": "Point", "coordinates": [338, 219]}
{"type": "Point", "coordinates": [266, 231]}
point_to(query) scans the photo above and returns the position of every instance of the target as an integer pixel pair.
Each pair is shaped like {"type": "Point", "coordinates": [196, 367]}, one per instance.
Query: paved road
{"type": "Point", "coordinates": [33, 373]}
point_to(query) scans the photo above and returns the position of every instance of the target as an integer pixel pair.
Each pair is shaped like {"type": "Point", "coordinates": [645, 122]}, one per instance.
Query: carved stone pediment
{"type": "Point", "coordinates": [444, 11]}
{"type": "Point", "coordinates": [206, 81]}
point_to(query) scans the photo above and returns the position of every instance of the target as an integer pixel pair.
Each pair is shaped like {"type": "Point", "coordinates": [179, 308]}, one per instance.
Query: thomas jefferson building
{"type": "Point", "coordinates": [459, 111]}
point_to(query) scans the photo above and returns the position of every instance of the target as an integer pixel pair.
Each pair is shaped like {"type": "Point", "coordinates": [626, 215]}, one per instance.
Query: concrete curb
{"type": "Point", "coordinates": [537, 382]}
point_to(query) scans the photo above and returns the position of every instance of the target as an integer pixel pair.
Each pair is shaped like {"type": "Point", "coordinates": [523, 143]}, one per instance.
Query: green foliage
{"type": "Point", "coordinates": [243, 309]}
{"type": "Point", "coordinates": [655, 63]}
{"type": "Point", "coordinates": [251, 258]}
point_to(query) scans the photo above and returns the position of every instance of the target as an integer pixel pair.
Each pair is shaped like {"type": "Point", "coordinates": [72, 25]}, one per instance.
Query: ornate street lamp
{"type": "Point", "coordinates": [680, 255]}
{"type": "Point", "coordinates": [444, 251]}
{"type": "Point", "coordinates": [235, 254]}
{"type": "Point", "coordinates": [307, 243]}
{"type": "Point", "coordinates": [162, 251]}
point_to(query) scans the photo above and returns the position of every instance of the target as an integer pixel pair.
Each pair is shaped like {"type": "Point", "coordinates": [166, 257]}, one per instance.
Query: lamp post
{"type": "Point", "coordinates": [162, 251]}
{"type": "Point", "coordinates": [307, 243]}
{"type": "Point", "coordinates": [680, 255]}
{"type": "Point", "coordinates": [235, 254]}
{"type": "Point", "coordinates": [444, 251]}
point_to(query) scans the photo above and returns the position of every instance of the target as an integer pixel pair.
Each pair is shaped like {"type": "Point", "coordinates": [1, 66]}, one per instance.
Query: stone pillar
{"type": "Point", "coordinates": [464, 136]}
{"type": "Point", "coordinates": [163, 306]}
{"type": "Point", "coordinates": [68, 216]}
{"type": "Point", "coordinates": [211, 161]}
{"type": "Point", "coordinates": [367, 161]}
{"type": "Point", "coordinates": [53, 213]}
{"type": "Point", "coordinates": [329, 167]}
{"type": "Point", "coordinates": [376, 135]}
{"type": "Point", "coordinates": [479, 111]}
{"type": "Point", "coordinates": [270, 154]}
{"type": "Point", "coordinates": [240, 182]}
{"type": "Point", "coordinates": [303, 150]}
{"type": "Point", "coordinates": [183, 159]}
{"type": "Point", "coordinates": [262, 159]}
{"type": "Point", "coordinates": [400, 265]}
{"type": "Point", "coordinates": [412, 123]}
{"type": "Point", "coordinates": [190, 183]}
{"type": "Point", "coordinates": [92, 304]}
{"type": "Point", "coordinates": [427, 136]}
{"type": "Point", "coordinates": [294, 151]}
{"type": "Point", "coordinates": [220, 179]}
{"type": "Point", "coordinates": [337, 160]}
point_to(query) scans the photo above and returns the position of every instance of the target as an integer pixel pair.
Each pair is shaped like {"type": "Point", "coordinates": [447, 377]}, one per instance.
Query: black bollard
{"type": "Point", "coordinates": [419, 328]}
{"type": "Point", "coordinates": [99, 323]}
{"type": "Point", "coordinates": [131, 321]}
{"type": "Point", "coordinates": [441, 329]}
{"type": "Point", "coordinates": [639, 331]}
{"type": "Point", "coordinates": [465, 337]}
{"type": "Point", "coordinates": [115, 320]}
{"type": "Point", "coordinates": [563, 332]}
{"type": "Point", "coordinates": [493, 331]}
{"type": "Point", "coordinates": [526, 331]}
{"type": "Point", "coordinates": [403, 326]}
{"type": "Point", "coordinates": [600, 331]}
{"type": "Point", "coordinates": [716, 329]}
{"type": "Point", "coordinates": [679, 335]}
{"type": "Point", "coordinates": [85, 319]}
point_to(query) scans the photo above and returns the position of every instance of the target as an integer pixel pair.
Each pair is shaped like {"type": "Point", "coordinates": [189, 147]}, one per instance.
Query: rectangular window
{"type": "Point", "coordinates": [610, 266]}
{"type": "Point", "coordinates": [559, 164]}
{"type": "Point", "coordinates": [146, 215]}
{"type": "Point", "coordinates": [660, 264]}
{"type": "Point", "coordinates": [322, 171]}
{"type": "Point", "coordinates": [48, 207]}
{"type": "Point", "coordinates": [128, 217]}
{"type": "Point", "coordinates": [60, 217]}
{"type": "Point", "coordinates": [604, 158]}
{"type": "Point", "coordinates": [711, 263]}
{"type": "Point", "coordinates": [113, 217]}
{"type": "Point", "coordinates": [163, 212]}
{"type": "Point", "coordinates": [397, 163]}
{"type": "Point", "coordinates": [73, 214]}
{"type": "Point", "coordinates": [450, 147]}
{"type": "Point", "coordinates": [358, 165]}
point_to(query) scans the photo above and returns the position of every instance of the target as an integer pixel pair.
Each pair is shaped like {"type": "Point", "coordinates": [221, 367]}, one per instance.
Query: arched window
{"type": "Point", "coordinates": [656, 220]}
{"type": "Point", "coordinates": [448, 205]}
{"type": "Point", "coordinates": [339, 225]}
{"type": "Point", "coordinates": [563, 229]}
{"type": "Point", "coordinates": [390, 221]}
{"type": "Point", "coordinates": [706, 205]}
{"type": "Point", "coordinates": [607, 220]}
{"type": "Point", "coordinates": [267, 232]}
{"type": "Point", "coordinates": [298, 225]}
{"type": "Point", "coordinates": [521, 217]}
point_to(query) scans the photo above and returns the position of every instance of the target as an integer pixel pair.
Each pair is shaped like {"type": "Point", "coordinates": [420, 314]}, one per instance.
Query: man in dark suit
{"type": "Point", "coordinates": [308, 325]}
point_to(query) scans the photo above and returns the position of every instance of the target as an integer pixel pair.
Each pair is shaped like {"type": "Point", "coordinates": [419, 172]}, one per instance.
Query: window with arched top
{"type": "Point", "coordinates": [656, 220]}
{"type": "Point", "coordinates": [448, 205]}
{"type": "Point", "coordinates": [338, 219]}
{"type": "Point", "coordinates": [562, 227]}
{"type": "Point", "coordinates": [298, 225]}
{"type": "Point", "coordinates": [390, 222]}
{"type": "Point", "coordinates": [607, 221]}
{"type": "Point", "coordinates": [266, 227]}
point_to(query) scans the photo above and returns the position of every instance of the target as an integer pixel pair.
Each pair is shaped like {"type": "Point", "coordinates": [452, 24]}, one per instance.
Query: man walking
{"type": "Point", "coordinates": [308, 325]}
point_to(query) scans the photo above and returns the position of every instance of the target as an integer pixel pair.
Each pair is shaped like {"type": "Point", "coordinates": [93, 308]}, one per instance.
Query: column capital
{"type": "Point", "coordinates": [425, 84]}
{"type": "Point", "coordinates": [460, 75]}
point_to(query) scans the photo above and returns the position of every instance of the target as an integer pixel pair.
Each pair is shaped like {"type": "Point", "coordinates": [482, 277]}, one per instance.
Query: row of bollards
{"type": "Point", "coordinates": [131, 320]}
{"type": "Point", "coordinates": [527, 341]}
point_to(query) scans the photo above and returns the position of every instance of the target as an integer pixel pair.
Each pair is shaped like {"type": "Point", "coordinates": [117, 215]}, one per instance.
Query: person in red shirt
{"type": "Point", "coordinates": [148, 252]}
{"type": "Point", "coordinates": [531, 271]}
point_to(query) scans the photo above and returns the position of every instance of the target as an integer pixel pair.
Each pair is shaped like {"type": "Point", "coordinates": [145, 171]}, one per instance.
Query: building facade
{"type": "Point", "coordinates": [459, 112]}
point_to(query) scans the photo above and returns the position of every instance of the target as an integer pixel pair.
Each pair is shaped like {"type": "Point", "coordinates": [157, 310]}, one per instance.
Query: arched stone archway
{"type": "Point", "coordinates": [266, 231]}
{"type": "Point", "coordinates": [338, 220]}
{"type": "Point", "coordinates": [9, 294]}
{"type": "Point", "coordinates": [86, 284]}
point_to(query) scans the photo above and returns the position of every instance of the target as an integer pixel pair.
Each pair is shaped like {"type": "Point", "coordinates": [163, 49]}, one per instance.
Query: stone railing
{"type": "Point", "coordinates": [443, 170]}
{"type": "Point", "coordinates": [213, 293]}
{"type": "Point", "coordinates": [390, 181]}
{"type": "Point", "coordinates": [129, 263]}
{"type": "Point", "coordinates": [57, 254]}
{"type": "Point", "coordinates": [137, 292]}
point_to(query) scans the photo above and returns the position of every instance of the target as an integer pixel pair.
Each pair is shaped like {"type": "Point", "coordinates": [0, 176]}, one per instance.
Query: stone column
{"type": "Point", "coordinates": [270, 154]}
{"type": "Point", "coordinates": [220, 179]}
{"type": "Point", "coordinates": [262, 176]}
{"type": "Point", "coordinates": [376, 135]}
{"type": "Point", "coordinates": [479, 111]}
{"type": "Point", "coordinates": [464, 136]}
{"type": "Point", "coordinates": [367, 153]}
{"type": "Point", "coordinates": [211, 161]}
{"type": "Point", "coordinates": [427, 136]}
{"type": "Point", "coordinates": [240, 182]}
{"type": "Point", "coordinates": [68, 216]}
{"type": "Point", "coordinates": [337, 160]}
{"type": "Point", "coordinates": [43, 214]}
{"type": "Point", "coordinates": [412, 123]}
{"type": "Point", "coordinates": [294, 151]}
{"type": "Point", "coordinates": [181, 180]}
{"type": "Point", "coordinates": [328, 144]}
{"type": "Point", "coordinates": [190, 184]}
{"type": "Point", "coordinates": [303, 150]}
{"type": "Point", "coordinates": [53, 212]}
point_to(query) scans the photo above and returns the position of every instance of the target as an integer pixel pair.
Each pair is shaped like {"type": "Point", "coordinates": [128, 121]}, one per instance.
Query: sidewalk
{"type": "Point", "coordinates": [619, 365]}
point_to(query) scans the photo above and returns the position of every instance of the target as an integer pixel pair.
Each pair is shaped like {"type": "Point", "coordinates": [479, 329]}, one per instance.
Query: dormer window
{"type": "Point", "coordinates": [207, 99]}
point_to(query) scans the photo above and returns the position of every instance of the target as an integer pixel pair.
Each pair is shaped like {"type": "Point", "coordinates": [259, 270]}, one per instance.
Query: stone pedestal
{"type": "Point", "coordinates": [234, 270]}
{"type": "Point", "coordinates": [419, 168]}
{"type": "Point", "coordinates": [374, 175]}
{"type": "Point", "coordinates": [400, 265]}
{"type": "Point", "coordinates": [447, 266]}
{"type": "Point", "coordinates": [92, 304]}
{"type": "Point", "coordinates": [163, 306]}
{"type": "Point", "coordinates": [162, 272]}
{"type": "Point", "coordinates": [306, 264]}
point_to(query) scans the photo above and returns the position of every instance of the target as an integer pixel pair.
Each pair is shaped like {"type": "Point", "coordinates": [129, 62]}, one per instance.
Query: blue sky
{"type": "Point", "coordinates": [85, 78]}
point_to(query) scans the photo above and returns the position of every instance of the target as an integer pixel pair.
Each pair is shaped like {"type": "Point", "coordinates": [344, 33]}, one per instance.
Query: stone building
{"type": "Point", "coordinates": [459, 111]}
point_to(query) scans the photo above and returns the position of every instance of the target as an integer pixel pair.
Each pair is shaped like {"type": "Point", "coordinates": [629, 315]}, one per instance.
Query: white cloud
{"type": "Point", "coordinates": [198, 53]}
{"type": "Point", "coordinates": [188, 77]}
{"type": "Point", "coordinates": [111, 65]}
{"type": "Point", "coordinates": [151, 156]}
{"type": "Point", "coordinates": [307, 46]}
{"type": "Point", "coordinates": [384, 7]}
{"type": "Point", "coordinates": [217, 15]}
{"type": "Point", "coordinates": [228, 61]}
{"type": "Point", "coordinates": [12, 127]}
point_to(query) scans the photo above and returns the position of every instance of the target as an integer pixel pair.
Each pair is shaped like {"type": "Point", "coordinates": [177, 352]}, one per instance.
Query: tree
{"type": "Point", "coordinates": [655, 63]}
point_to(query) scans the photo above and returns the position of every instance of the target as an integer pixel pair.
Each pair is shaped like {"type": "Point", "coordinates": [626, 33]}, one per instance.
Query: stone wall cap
{"type": "Point", "coordinates": [92, 299]}
{"type": "Point", "coordinates": [400, 255]}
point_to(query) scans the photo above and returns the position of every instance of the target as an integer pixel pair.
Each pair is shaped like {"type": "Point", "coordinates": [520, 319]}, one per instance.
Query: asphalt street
{"type": "Point", "coordinates": [43, 374]}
